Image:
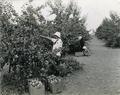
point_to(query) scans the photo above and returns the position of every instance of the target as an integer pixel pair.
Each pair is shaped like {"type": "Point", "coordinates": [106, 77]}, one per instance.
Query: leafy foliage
{"type": "Point", "coordinates": [29, 55]}
{"type": "Point", "coordinates": [21, 46]}
{"type": "Point", "coordinates": [69, 22]}
{"type": "Point", "coordinates": [109, 31]}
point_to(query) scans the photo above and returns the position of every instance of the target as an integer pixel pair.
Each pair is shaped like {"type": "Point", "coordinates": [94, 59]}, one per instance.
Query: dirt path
{"type": "Point", "coordinates": [101, 75]}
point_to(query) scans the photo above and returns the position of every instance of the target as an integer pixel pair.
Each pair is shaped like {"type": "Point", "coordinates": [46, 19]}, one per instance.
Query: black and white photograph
{"type": "Point", "coordinates": [59, 47]}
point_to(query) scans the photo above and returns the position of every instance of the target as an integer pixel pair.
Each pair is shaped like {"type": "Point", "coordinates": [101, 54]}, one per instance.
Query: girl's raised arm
{"type": "Point", "coordinates": [45, 37]}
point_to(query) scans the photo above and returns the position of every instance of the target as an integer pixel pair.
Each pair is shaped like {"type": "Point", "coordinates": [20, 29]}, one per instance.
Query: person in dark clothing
{"type": "Point", "coordinates": [78, 45]}
{"type": "Point", "coordinates": [81, 42]}
{"type": "Point", "coordinates": [82, 46]}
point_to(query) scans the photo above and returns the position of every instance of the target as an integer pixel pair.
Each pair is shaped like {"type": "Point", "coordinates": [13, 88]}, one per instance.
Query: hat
{"type": "Point", "coordinates": [58, 34]}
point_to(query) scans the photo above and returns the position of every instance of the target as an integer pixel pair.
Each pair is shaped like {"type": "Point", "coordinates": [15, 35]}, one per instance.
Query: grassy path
{"type": "Point", "coordinates": [101, 75]}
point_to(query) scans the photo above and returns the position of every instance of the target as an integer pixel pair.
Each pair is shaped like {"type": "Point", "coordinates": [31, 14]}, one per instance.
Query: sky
{"type": "Point", "coordinates": [94, 10]}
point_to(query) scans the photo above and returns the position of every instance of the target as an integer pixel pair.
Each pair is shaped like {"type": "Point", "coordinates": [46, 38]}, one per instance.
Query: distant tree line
{"type": "Point", "coordinates": [109, 31]}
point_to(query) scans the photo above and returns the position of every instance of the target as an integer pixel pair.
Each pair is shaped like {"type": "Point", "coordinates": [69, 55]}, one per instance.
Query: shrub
{"type": "Point", "coordinates": [11, 85]}
{"type": "Point", "coordinates": [27, 54]}
{"type": "Point", "coordinates": [69, 65]}
{"type": "Point", "coordinates": [21, 43]}
{"type": "Point", "coordinates": [109, 31]}
{"type": "Point", "coordinates": [22, 48]}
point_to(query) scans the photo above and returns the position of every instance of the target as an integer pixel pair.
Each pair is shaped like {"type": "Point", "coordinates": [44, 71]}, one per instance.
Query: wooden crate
{"type": "Point", "coordinates": [56, 85]}
{"type": "Point", "coordinates": [34, 90]}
